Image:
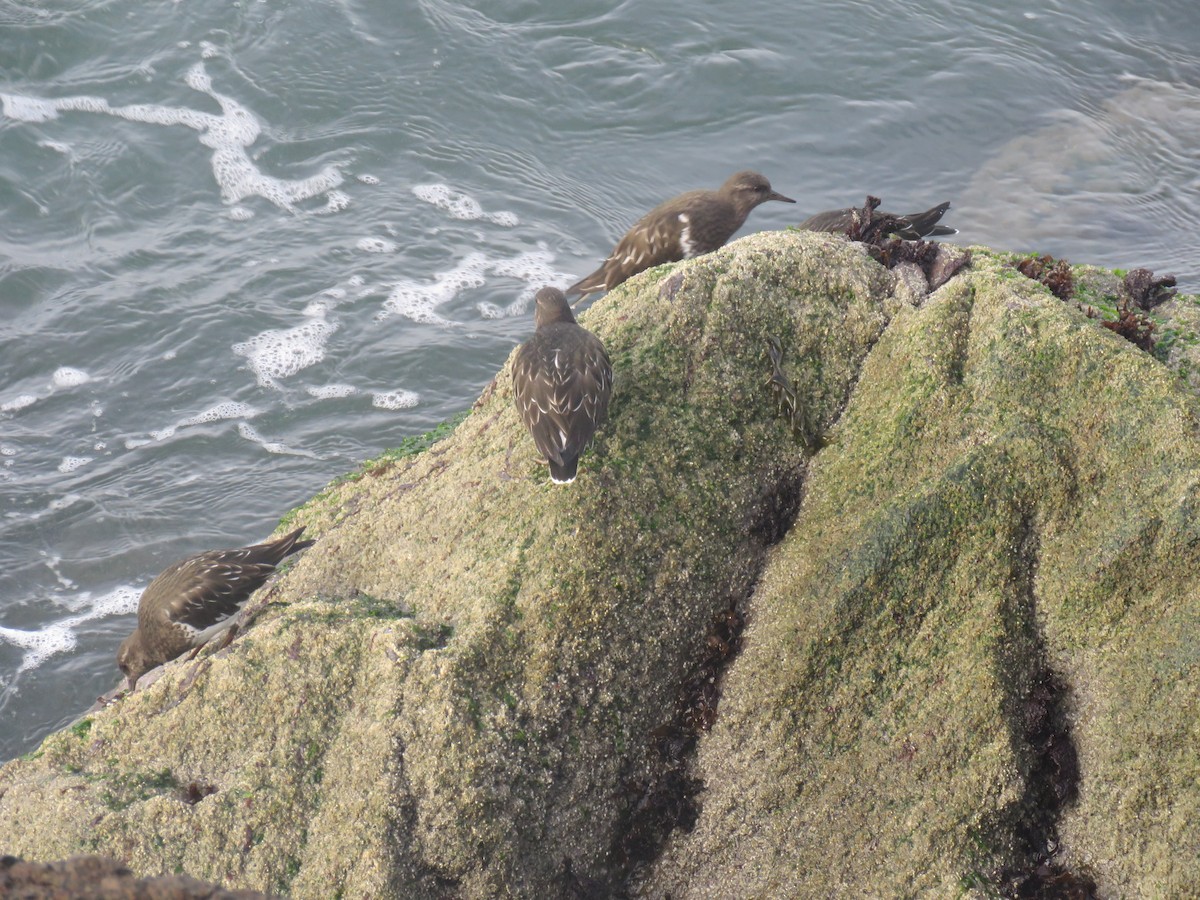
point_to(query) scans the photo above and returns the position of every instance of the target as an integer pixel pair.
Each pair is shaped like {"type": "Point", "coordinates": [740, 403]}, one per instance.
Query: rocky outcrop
{"type": "Point", "coordinates": [103, 879]}
{"type": "Point", "coordinates": [858, 593]}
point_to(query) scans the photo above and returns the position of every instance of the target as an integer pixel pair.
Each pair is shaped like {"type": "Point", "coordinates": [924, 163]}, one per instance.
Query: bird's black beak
{"type": "Point", "coordinates": [775, 195]}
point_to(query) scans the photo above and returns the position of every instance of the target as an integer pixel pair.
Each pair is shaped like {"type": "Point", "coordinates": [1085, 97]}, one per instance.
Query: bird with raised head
{"type": "Point", "coordinates": [689, 225]}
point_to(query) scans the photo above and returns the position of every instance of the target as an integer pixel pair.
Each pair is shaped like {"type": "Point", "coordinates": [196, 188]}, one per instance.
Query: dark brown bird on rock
{"type": "Point", "coordinates": [911, 227]}
{"type": "Point", "coordinates": [562, 381]}
{"type": "Point", "coordinates": [196, 599]}
{"type": "Point", "coordinates": [689, 225]}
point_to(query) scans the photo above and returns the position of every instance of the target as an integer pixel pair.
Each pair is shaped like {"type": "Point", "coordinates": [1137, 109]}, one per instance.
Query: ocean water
{"type": "Point", "coordinates": [244, 246]}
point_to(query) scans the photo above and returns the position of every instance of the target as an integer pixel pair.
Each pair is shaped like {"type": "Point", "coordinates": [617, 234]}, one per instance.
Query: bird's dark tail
{"type": "Point", "coordinates": [564, 472]}
{"type": "Point", "coordinates": [274, 551]}
{"type": "Point", "coordinates": [591, 284]}
{"type": "Point", "coordinates": [924, 224]}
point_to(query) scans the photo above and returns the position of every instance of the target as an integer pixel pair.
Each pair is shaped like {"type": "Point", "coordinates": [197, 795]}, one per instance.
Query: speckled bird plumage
{"type": "Point", "coordinates": [912, 227]}
{"type": "Point", "coordinates": [194, 600]}
{"type": "Point", "coordinates": [562, 382]}
{"type": "Point", "coordinates": [689, 225]}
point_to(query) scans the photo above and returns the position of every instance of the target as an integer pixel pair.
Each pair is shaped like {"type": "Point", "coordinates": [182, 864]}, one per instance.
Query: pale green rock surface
{"type": "Point", "coordinates": [451, 692]}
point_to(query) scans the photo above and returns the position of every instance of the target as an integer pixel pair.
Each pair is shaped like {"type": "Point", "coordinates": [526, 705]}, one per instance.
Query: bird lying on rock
{"type": "Point", "coordinates": [562, 381]}
{"type": "Point", "coordinates": [911, 227]}
{"type": "Point", "coordinates": [196, 599]}
{"type": "Point", "coordinates": [689, 225]}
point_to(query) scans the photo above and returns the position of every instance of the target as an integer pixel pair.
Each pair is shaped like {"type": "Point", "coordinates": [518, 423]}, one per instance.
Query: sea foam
{"type": "Point", "coordinates": [61, 636]}
{"type": "Point", "coordinates": [227, 135]}
{"type": "Point", "coordinates": [332, 391]}
{"type": "Point", "coordinates": [18, 402]}
{"type": "Point", "coordinates": [66, 377]}
{"type": "Point", "coordinates": [229, 409]}
{"type": "Point", "coordinates": [250, 433]}
{"type": "Point", "coordinates": [395, 399]}
{"type": "Point", "coordinates": [532, 267]}
{"type": "Point", "coordinates": [71, 463]}
{"type": "Point", "coordinates": [460, 205]}
{"type": "Point", "coordinates": [419, 301]}
{"type": "Point", "coordinates": [376, 245]}
{"type": "Point", "coordinates": [280, 353]}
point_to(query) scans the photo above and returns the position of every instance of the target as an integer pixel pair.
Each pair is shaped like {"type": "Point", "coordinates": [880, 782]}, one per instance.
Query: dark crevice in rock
{"type": "Point", "coordinates": [1051, 785]}
{"type": "Point", "coordinates": [959, 343]}
{"type": "Point", "coordinates": [777, 507]}
{"type": "Point", "coordinates": [1026, 854]}
{"type": "Point", "coordinates": [411, 871]}
{"type": "Point", "coordinates": [664, 795]}
{"type": "Point", "coordinates": [574, 885]}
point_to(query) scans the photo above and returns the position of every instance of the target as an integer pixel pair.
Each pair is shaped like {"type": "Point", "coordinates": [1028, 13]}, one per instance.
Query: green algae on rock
{"type": "Point", "coordinates": [988, 569]}
{"type": "Point", "coordinates": [1009, 492]}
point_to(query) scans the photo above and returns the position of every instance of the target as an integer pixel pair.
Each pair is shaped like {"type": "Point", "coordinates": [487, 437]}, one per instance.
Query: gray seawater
{"type": "Point", "coordinates": [244, 246]}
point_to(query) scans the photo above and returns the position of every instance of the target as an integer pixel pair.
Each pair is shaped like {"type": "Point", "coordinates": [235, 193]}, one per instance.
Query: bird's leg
{"type": "Point", "coordinates": [230, 633]}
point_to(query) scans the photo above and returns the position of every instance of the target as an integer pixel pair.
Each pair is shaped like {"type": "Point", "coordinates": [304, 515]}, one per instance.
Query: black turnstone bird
{"type": "Point", "coordinates": [195, 599]}
{"type": "Point", "coordinates": [562, 381]}
{"type": "Point", "coordinates": [911, 227]}
{"type": "Point", "coordinates": [689, 225]}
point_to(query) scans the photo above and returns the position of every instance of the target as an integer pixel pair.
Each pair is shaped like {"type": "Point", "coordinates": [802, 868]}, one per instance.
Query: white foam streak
{"type": "Point", "coordinates": [27, 109]}
{"type": "Point", "coordinates": [460, 205]}
{"type": "Point", "coordinates": [71, 463]}
{"type": "Point", "coordinates": [418, 301]}
{"type": "Point", "coordinates": [280, 353]}
{"type": "Point", "coordinates": [329, 392]}
{"type": "Point", "coordinates": [228, 135]}
{"type": "Point", "coordinates": [376, 245]}
{"type": "Point", "coordinates": [18, 402]}
{"type": "Point", "coordinates": [66, 377]}
{"type": "Point", "coordinates": [230, 409]}
{"type": "Point", "coordinates": [535, 270]}
{"type": "Point", "coordinates": [250, 433]}
{"type": "Point", "coordinates": [60, 637]}
{"type": "Point", "coordinates": [395, 399]}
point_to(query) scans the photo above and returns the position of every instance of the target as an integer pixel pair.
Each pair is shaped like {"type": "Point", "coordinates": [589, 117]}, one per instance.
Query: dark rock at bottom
{"type": "Point", "coordinates": [103, 878]}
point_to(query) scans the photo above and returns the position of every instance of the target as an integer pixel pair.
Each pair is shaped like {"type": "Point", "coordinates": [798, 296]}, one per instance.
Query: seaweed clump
{"type": "Point", "coordinates": [1145, 291]}
{"type": "Point", "coordinates": [784, 392]}
{"type": "Point", "coordinates": [196, 791]}
{"type": "Point", "coordinates": [1139, 290]}
{"type": "Point", "coordinates": [1134, 327]}
{"type": "Point", "coordinates": [1054, 274]}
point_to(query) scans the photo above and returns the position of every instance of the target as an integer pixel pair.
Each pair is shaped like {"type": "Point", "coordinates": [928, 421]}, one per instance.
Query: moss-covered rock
{"type": "Point", "coordinates": [977, 637]}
